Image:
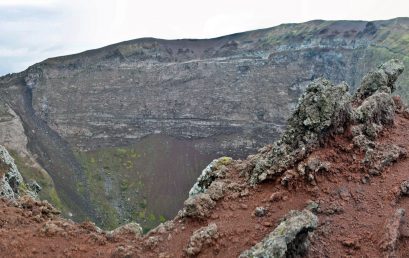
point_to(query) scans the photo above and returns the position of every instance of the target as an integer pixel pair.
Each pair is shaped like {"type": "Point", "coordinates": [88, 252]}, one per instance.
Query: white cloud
{"type": "Point", "coordinates": [40, 29]}
{"type": "Point", "coordinates": [27, 2]}
{"type": "Point", "coordinates": [13, 52]}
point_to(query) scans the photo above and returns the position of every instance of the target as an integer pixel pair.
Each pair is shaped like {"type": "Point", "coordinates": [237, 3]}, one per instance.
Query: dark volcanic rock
{"type": "Point", "coordinates": [289, 238]}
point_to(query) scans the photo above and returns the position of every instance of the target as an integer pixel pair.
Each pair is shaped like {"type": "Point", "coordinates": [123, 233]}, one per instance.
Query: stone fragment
{"type": "Point", "coordinates": [198, 206]}
{"type": "Point", "coordinates": [216, 190]}
{"type": "Point", "coordinates": [260, 211]}
{"type": "Point", "coordinates": [201, 238]}
{"type": "Point", "coordinates": [130, 229]}
{"type": "Point", "coordinates": [216, 169]}
{"type": "Point", "coordinates": [391, 233]}
{"type": "Point", "coordinates": [404, 187]}
{"type": "Point", "coordinates": [289, 238]}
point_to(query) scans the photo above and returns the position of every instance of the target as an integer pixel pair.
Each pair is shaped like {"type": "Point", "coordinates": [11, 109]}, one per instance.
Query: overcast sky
{"type": "Point", "coordinates": [33, 30]}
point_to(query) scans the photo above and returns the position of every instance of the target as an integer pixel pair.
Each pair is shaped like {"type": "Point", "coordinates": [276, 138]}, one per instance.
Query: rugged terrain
{"type": "Point", "coordinates": [120, 133]}
{"type": "Point", "coordinates": [335, 184]}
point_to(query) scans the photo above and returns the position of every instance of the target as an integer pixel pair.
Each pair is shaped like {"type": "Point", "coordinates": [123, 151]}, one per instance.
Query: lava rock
{"type": "Point", "coordinates": [133, 229]}
{"type": "Point", "coordinates": [404, 187]}
{"type": "Point", "coordinates": [201, 238]}
{"type": "Point", "coordinates": [288, 239]}
{"type": "Point", "coordinates": [216, 169]}
{"type": "Point", "coordinates": [382, 79]}
{"type": "Point", "coordinates": [10, 177]}
{"type": "Point", "coordinates": [260, 211]}
{"type": "Point", "coordinates": [391, 233]}
{"type": "Point", "coordinates": [198, 206]}
{"type": "Point", "coordinates": [322, 110]}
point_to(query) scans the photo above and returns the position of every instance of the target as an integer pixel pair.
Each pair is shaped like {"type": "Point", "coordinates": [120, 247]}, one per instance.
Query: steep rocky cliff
{"type": "Point", "coordinates": [339, 188]}
{"type": "Point", "coordinates": [114, 126]}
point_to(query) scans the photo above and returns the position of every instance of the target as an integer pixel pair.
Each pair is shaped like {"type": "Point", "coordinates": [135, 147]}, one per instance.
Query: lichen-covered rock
{"type": "Point", "coordinates": [382, 156]}
{"type": "Point", "coordinates": [203, 237]}
{"type": "Point", "coordinates": [198, 206]}
{"type": "Point", "coordinates": [323, 109]}
{"type": "Point", "coordinates": [378, 108]}
{"type": "Point", "coordinates": [216, 190]}
{"type": "Point", "coordinates": [383, 79]}
{"type": "Point", "coordinates": [312, 166]}
{"type": "Point", "coordinates": [133, 229]}
{"type": "Point", "coordinates": [216, 169]}
{"type": "Point", "coordinates": [163, 227]}
{"type": "Point", "coordinates": [288, 239]}
{"type": "Point", "coordinates": [10, 177]}
{"type": "Point", "coordinates": [371, 116]}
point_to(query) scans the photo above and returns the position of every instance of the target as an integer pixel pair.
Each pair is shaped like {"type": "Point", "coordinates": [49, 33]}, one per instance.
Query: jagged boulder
{"type": "Point", "coordinates": [382, 79]}
{"type": "Point", "coordinates": [404, 188]}
{"type": "Point", "coordinates": [322, 110]}
{"type": "Point", "coordinates": [288, 239]}
{"type": "Point", "coordinates": [371, 116]}
{"type": "Point", "coordinates": [216, 169]}
{"type": "Point", "coordinates": [10, 177]}
{"type": "Point", "coordinates": [201, 238]}
{"type": "Point", "coordinates": [198, 206]}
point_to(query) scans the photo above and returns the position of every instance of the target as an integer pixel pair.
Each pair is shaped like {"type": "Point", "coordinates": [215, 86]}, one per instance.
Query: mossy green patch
{"type": "Point", "coordinates": [115, 186]}
{"type": "Point", "coordinates": [136, 182]}
{"type": "Point", "coordinates": [31, 172]}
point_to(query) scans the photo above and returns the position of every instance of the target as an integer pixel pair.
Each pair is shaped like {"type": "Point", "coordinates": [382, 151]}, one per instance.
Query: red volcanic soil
{"type": "Point", "coordinates": [359, 215]}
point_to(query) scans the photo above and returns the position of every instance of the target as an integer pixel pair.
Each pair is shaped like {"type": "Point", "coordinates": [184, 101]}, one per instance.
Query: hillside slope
{"type": "Point", "coordinates": [103, 123]}
{"type": "Point", "coordinates": [341, 189]}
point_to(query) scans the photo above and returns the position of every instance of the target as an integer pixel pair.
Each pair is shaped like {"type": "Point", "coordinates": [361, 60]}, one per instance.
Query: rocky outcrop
{"type": "Point", "coordinates": [323, 110]}
{"type": "Point", "coordinates": [216, 169]}
{"type": "Point", "coordinates": [289, 238]}
{"type": "Point", "coordinates": [11, 181]}
{"type": "Point", "coordinates": [326, 110]}
{"type": "Point", "coordinates": [381, 80]}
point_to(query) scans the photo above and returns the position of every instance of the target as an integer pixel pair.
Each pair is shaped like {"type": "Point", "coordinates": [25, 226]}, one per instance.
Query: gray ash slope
{"type": "Point", "coordinates": [222, 96]}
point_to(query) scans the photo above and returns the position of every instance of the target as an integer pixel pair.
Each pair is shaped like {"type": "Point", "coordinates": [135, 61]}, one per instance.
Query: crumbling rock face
{"type": "Point", "coordinates": [201, 238]}
{"type": "Point", "coordinates": [326, 110]}
{"type": "Point", "coordinates": [10, 177]}
{"type": "Point", "coordinates": [289, 238]}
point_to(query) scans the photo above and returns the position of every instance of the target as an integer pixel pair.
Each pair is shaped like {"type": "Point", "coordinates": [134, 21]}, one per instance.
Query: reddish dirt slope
{"type": "Point", "coordinates": [355, 216]}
